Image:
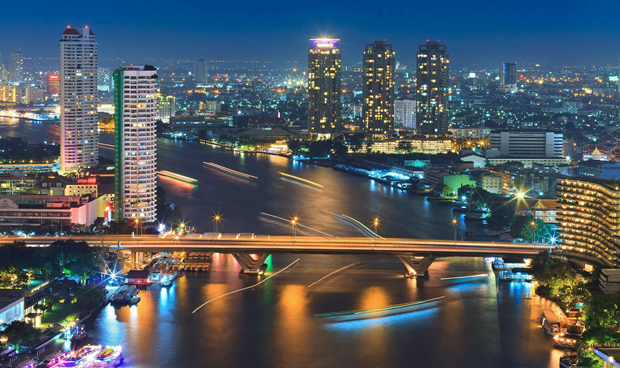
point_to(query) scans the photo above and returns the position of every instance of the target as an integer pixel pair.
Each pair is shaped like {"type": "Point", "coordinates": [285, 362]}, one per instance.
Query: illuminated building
{"type": "Point", "coordinates": [166, 107]}
{"type": "Point", "coordinates": [16, 67]}
{"type": "Point", "coordinates": [508, 74]}
{"type": "Point", "coordinates": [11, 93]}
{"type": "Point", "coordinates": [607, 170]}
{"type": "Point", "coordinates": [324, 106]}
{"type": "Point", "coordinates": [135, 141]}
{"type": "Point", "coordinates": [378, 90]}
{"type": "Point", "coordinates": [404, 113]}
{"type": "Point", "coordinates": [432, 88]}
{"type": "Point", "coordinates": [590, 217]}
{"type": "Point", "coordinates": [104, 79]}
{"type": "Point", "coordinates": [53, 84]}
{"type": "Point", "coordinates": [418, 145]}
{"type": "Point", "coordinates": [526, 144]}
{"type": "Point", "coordinates": [33, 95]}
{"type": "Point", "coordinates": [470, 133]}
{"type": "Point", "coordinates": [200, 71]}
{"type": "Point", "coordinates": [79, 137]}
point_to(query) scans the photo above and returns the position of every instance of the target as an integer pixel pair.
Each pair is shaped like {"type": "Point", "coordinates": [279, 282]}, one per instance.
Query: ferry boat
{"type": "Point", "coordinates": [111, 356]}
{"type": "Point", "coordinates": [56, 360]}
{"type": "Point", "coordinates": [83, 356]}
{"type": "Point", "coordinates": [230, 171]}
{"type": "Point", "coordinates": [125, 299]}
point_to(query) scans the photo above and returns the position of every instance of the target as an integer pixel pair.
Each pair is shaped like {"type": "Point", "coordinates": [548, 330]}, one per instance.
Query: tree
{"type": "Point", "coordinates": [20, 333]}
{"type": "Point", "coordinates": [369, 144]}
{"type": "Point", "coordinates": [88, 298]}
{"type": "Point", "coordinates": [405, 146]}
{"type": "Point", "coordinates": [446, 191]}
{"type": "Point", "coordinates": [203, 135]}
{"type": "Point", "coordinates": [32, 191]}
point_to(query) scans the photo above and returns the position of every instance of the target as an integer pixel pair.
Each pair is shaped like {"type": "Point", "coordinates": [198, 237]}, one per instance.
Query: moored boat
{"type": "Point", "coordinates": [84, 356]}
{"type": "Point", "coordinates": [111, 356]}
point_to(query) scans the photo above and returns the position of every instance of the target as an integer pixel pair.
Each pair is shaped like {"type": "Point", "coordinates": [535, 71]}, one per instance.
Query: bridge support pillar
{"type": "Point", "coordinates": [417, 267]}
{"type": "Point", "coordinates": [249, 265]}
{"type": "Point", "coordinates": [136, 258]}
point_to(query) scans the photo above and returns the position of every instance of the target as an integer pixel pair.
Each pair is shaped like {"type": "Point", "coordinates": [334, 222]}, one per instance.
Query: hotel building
{"type": "Point", "coordinates": [324, 106]}
{"type": "Point", "coordinates": [79, 137]}
{"type": "Point", "coordinates": [590, 218]}
{"type": "Point", "coordinates": [432, 86]}
{"type": "Point", "coordinates": [135, 141]}
{"type": "Point", "coordinates": [378, 90]}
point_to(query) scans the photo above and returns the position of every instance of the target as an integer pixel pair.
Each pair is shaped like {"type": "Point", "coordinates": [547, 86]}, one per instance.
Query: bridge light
{"type": "Point", "coordinates": [520, 195]}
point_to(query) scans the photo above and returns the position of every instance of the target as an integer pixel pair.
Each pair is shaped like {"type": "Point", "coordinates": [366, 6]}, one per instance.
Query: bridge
{"type": "Point", "coordinates": [251, 250]}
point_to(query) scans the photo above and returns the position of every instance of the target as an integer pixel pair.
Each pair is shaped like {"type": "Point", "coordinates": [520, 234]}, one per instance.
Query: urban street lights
{"type": "Point", "coordinates": [532, 224]}
{"type": "Point", "coordinates": [375, 222]}
{"type": "Point", "coordinates": [294, 222]}
{"type": "Point", "coordinates": [454, 226]}
{"type": "Point", "coordinates": [216, 219]}
{"type": "Point", "coordinates": [136, 226]}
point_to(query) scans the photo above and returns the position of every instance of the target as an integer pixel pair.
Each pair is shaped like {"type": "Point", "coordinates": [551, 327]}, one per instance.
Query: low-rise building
{"type": "Point", "coordinates": [418, 145]}
{"type": "Point", "coordinates": [607, 170]}
{"type": "Point", "coordinates": [491, 182]}
{"type": "Point", "coordinates": [545, 210]}
{"type": "Point", "coordinates": [609, 281]}
{"type": "Point", "coordinates": [11, 309]}
{"type": "Point", "coordinates": [36, 210]}
{"type": "Point", "coordinates": [470, 133]}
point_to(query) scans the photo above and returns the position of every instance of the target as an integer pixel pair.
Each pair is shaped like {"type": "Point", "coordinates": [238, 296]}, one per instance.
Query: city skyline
{"type": "Point", "coordinates": [519, 34]}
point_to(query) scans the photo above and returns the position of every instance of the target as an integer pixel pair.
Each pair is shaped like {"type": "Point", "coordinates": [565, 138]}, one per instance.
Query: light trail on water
{"type": "Point", "coordinates": [247, 287]}
{"type": "Point", "coordinates": [324, 277]}
{"type": "Point", "coordinates": [464, 277]}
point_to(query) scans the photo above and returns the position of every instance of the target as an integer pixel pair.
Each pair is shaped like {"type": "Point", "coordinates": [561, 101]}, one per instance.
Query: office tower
{"type": "Point", "coordinates": [508, 74]}
{"type": "Point", "coordinates": [378, 89]}
{"type": "Point", "coordinates": [524, 143]}
{"type": "Point", "coordinates": [16, 67]}
{"type": "Point", "coordinates": [79, 137]}
{"type": "Point", "coordinates": [135, 141]}
{"type": "Point", "coordinates": [588, 218]}
{"type": "Point", "coordinates": [2, 70]}
{"type": "Point", "coordinates": [53, 84]}
{"type": "Point", "coordinates": [166, 107]}
{"type": "Point", "coordinates": [432, 88]}
{"type": "Point", "coordinates": [324, 106]}
{"type": "Point", "coordinates": [200, 71]}
{"type": "Point", "coordinates": [404, 113]}
{"type": "Point", "coordinates": [104, 79]}
{"type": "Point", "coordinates": [33, 94]}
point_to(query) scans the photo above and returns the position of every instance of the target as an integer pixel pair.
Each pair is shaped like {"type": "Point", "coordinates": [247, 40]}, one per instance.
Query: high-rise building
{"type": "Point", "coordinates": [166, 107]}
{"type": "Point", "coordinates": [508, 74]}
{"type": "Point", "coordinates": [53, 84]}
{"type": "Point", "coordinates": [16, 67]}
{"type": "Point", "coordinates": [324, 106]}
{"type": "Point", "coordinates": [135, 141]}
{"type": "Point", "coordinates": [104, 79]}
{"type": "Point", "coordinates": [200, 71]}
{"type": "Point", "coordinates": [79, 137]}
{"type": "Point", "coordinates": [432, 88]}
{"type": "Point", "coordinates": [589, 218]}
{"type": "Point", "coordinates": [404, 113]}
{"type": "Point", "coordinates": [33, 95]}
{"type": "Point", "coordinates": [378, 89]}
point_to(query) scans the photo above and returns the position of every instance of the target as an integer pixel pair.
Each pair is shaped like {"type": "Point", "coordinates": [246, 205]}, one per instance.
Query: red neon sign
{"type": "Point", "coordinates": [87, 181]}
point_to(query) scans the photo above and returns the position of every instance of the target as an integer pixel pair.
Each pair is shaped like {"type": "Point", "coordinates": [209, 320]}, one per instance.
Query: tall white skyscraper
{"type": "Point", "coordinates": [404, 113]}
{"type": "Point", "coordinates": [200, 71]}
{"type": "Point", "coordinates": [79, 138]}
{"type": "Point", "coordinates": [135, 141]}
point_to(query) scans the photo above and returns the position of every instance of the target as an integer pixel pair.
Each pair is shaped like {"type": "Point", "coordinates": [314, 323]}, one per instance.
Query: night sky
{"type": "Point", "coordinates": [562, 32]}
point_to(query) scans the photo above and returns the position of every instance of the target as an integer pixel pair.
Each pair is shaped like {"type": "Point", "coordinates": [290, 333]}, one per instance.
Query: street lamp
{"type": "Point", "coordinates": [216, 219]}
{"type": "Point", "coordinates": [532, 224]}
{"type": "Point", "coordinates": [136, 226]}
{"type": "Point", "coordinates": [294, 222]}
{"type": "Point", "coordinates": [375, 222]}
{"type": "Point", "coordinates": [454, 226]}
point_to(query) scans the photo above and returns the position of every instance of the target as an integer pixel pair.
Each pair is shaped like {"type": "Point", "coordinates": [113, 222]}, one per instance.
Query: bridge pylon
{"type": "Point", "coordinates": [249, 265]}
{"type": "Point", "coordinates": [417, 267]}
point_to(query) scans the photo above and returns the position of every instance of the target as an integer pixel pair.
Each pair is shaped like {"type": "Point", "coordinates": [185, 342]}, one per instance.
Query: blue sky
{"type": "Point", "coordinates": [483, 32]}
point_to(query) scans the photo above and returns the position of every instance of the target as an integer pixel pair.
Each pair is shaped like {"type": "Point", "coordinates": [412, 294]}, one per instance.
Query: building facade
{"type": "Point", "coordinates": [526, 144]}
{"type": "Point", "coordinates": [508, 74]}
{"type": "Point", "coordinates": [166, 107]}
{"type": "Point", "coordinates": [607, 170]}
{"type": "Point", "coordinates": [16, 67]}
{"type": "Point", "coordinates": [79, 137]}
{"type": "Point", "coordinates": [418, 145]}
{"type": "Point", "coordinates": [200, 71]}
{"type": "Point", "coordinates": [378, 89]}
{"type": "Point", "coordinates": [104, 79]}
{"type": "Point", "coordinates": [432, 87]}
{"type": "Point", "coordinates": [324, 106]}
{"type": "Point", "coordinates": [471, 133]}
{"type": "Point", "coordinates": [53, 84]}
{"type": "Point", "coordinates": [404, 113]}
{"type": "Point", "coordinates": [590, 218]}
{"type": "Point", "coordinates": [135, 141]}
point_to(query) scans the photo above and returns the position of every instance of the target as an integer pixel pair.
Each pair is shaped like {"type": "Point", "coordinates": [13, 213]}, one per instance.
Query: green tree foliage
{"type": "Point", "coordinates": [405, 146]}
{"type": "Point", "coordinates": [523, 228]}
{"type": "Point", "coordinates": [355, 140]}
{"type": "Point", "coordinates": [20, 333]}
{"type": "Point", "coordinates": [88, 298]}
{"type": "Point", "coordinates": [324, 148]}
{"type": "Point", "coordinates": [558, 281]}
{"type": "Point", "coordinates": [76, 257]}
{"type": "Point", "coordinates": [202, 134]}
{"type": "Point", "coordinates": [19, 149]}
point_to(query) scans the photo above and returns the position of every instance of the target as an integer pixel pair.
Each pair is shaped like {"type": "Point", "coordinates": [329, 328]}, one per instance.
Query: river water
{"type": "Point", "coordinates": [480, 322]}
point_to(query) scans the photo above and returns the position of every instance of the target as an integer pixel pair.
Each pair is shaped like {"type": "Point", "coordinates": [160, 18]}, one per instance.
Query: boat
{"type": "Point", "coordinates": [56, 360]}
{"type": "Point", "coordinates": [111, 356]}
{"type": "Point", "coordinates": [206, 267]}
{"type": "Point", "coordinates": [550, 322]}
{"type": "Point", "coordinates": [230, 171]}
{"type": "Point", "coordinates": [30, 363]}
{"type": "Point", "coordinates": [84, 356]}
{"type": "Point", "coordinates": [464, 209]}
{"type": "Point", "coordinates": [480, 217]}
{"type": "Point", "coordinates": [124, 299]}
{"type": "Point", "coordinates": [80, 334]}
{"type": "Point", "coordinates": [470, 233]}
{"type": "Point", "coordinates": [498, 232]}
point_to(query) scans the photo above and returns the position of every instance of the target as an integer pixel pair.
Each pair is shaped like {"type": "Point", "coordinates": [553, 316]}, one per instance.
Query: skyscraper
{"type": "Point", "coordinates": [135, 141]}
{"type": "Point", "coordinates": [166, 106]}
{"type": "Point", "coordinates": [508, 74]}
{"type": "Point", "coordinates": [79, 137]}
{"type": "Point", "coordinates": [200, 71]}
{"type": "Point", "coordinates": [432, 88]}
{"type": "Point", "coordinates": [104, 79]}
{"type": "Point", "coordinates": [324, 106]}
{"type": "Point", "coordinates": [404, 113]}
{"type": "Point", "coordinates": [16, 67]}
{"type": "Point", "coordinates": [53, 84]}
{"type": "Point", "coordinates": [378, 89]}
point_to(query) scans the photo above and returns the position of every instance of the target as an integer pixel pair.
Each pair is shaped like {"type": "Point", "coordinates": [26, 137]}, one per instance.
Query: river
{"type": "Point", "coordinates": [480, 322]}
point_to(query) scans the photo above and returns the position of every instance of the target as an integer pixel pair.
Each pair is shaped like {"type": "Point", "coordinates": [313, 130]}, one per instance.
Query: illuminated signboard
{"type": "Point", "coordinates": [87, 181]}
{"type": "Point", "coordinates": [325, 43]}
